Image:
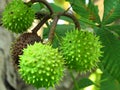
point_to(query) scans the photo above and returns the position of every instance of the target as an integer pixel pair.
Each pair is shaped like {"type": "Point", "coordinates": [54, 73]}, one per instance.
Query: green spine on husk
{"type": "Point", "coordinates": [81, 50]}
{"type": "Point", "coordinates": [41, 65]}
{"type": "Point", "coordinates": [17, 16]}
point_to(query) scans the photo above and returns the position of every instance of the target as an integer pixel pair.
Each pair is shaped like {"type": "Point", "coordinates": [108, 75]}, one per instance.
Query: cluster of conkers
{"type": "Point", "coordinates": [39, 64]}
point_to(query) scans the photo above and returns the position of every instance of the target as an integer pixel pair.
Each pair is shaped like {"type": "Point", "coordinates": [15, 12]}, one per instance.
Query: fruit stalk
{"type": "Point", "coordinates": [41, 23]}
{"type": "Point", "coordinates": [52, 29]}
{"type": "Point", "coordinates": [55, 20]}
{"type": "Point", "coordinates": [71, 16]}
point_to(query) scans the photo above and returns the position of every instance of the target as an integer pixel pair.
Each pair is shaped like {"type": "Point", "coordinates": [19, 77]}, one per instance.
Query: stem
{"type": "Point", "coordinates": [40, 15]}
{"type": "Point", "coordinates": [76, 22]}
{"type": "Point", "coordinates": [52, 29]}
{"type": "Point", "coordinates": [55, 20]}
{"type": "Point", "coordinates": [45, 3]}
{"type": "Point", "coordinates": [74, 80]}
{"type": "Point", "coordinates": [41, 24]}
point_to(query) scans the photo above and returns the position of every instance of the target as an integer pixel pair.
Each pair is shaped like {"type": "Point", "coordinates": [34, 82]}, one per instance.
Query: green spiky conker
{"type": "Point", "coordinates": [81, 50]}
{"type": "Point", "coordinates": [17, 16]}
{"type": "Point", "coordinates": [41, 65]}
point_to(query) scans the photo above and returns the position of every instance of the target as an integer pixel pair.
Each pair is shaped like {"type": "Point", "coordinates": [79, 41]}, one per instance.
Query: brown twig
{"type": "Point", "coordinates": [55, 20]}
{"type": "Point", "coordinates": [76, 22]}
{"type": "Point", "coordinates": [40, 15]}
{"type": "Point", "coordinates": [45, 3]}
{"type": "Point", "coordinates": [52, 29]}
{"type": "Point", "coordinates": [40, 24]}
{"type": "Point", "coordinates": [46, 17]}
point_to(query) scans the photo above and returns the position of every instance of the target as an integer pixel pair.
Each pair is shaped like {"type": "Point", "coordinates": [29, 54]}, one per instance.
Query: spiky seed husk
{"type": "Point", "coordinates": [81, 50]}
{"type": "Point", "coordinates": [17, 16]}
{"type": "Point", "coordinates": [21, 42]}
{"type": "Point", "coordinates": [41, 65]}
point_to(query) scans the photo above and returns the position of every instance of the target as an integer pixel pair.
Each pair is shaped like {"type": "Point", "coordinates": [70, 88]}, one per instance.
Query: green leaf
{"type": "Point", "coordinates": [86, 21]}
{"type": "Point", "coordinates": [80, 7]}
{"type": "Point", "coordinates": [89, 11]}
{"type": "Point", "coordinates": [111, 11]}
{"type": "Point", "coordinates": [56, 8]}
{"type": "Point", "coordinates": [111, 55]}
{"type": "Point", "coordinates": [109, 83]}
{"type": "Point", "coordinates": [59, 9]}
{"type": "Point", "coordinates": [114, 28]}
{"type": "Point", "coordinates": [66, 19]}
{"type": "Point", "coordinates": [37, 7]}
{"type": "Point", "coordinates": [82, 1]}
{"type": "Point", "coordinates": [84, 82]}
{"type": "Point", "coordinates": [93, 12]}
